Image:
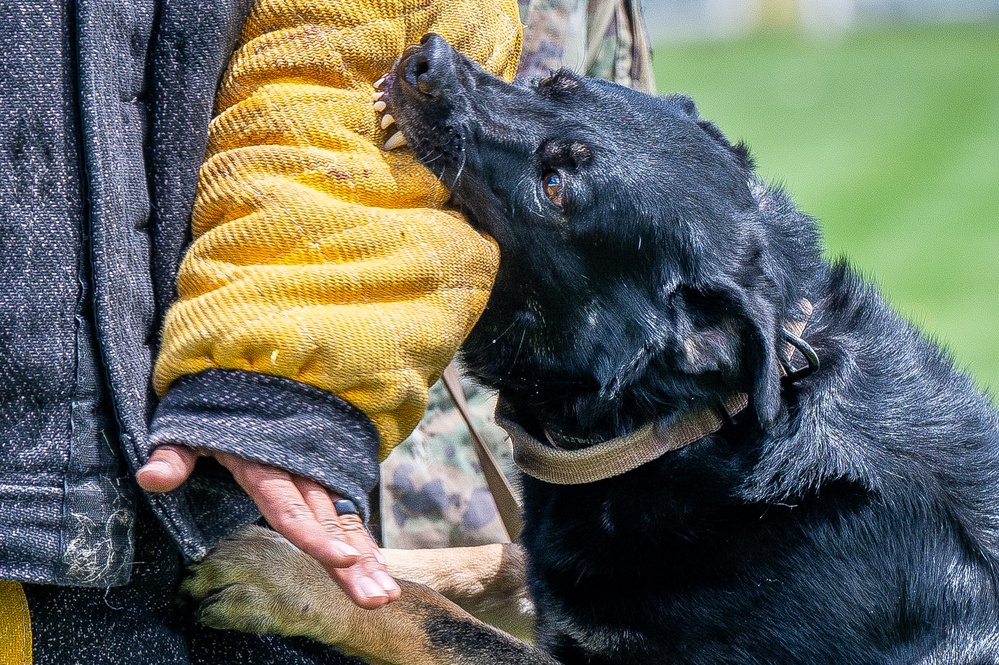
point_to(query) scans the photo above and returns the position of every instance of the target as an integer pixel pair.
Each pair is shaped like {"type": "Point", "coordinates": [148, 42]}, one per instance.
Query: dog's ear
{"type": "Point", "coordinates": [687, 106]}
{"type": "Point", "coordinates": [740, 150]}
{"type": "Point", "coordinates": [683, 103]}
{"type": "Point", "coordinates": [709, 349]}
{"type": "Point", "coordinates": [741, 341]}
{"type": "Point", "coordinates": [762, 366]}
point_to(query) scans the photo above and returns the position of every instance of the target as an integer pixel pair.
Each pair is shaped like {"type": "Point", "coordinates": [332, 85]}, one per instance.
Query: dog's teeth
{"type": "Point", "coordinates": [378, 84]}
{"type": "Point", "coordinates": [397, 140]}
{"type": "Point", "coordinates": [378, 95]}
{"type": "Point", "coordinates": [387, 120]}
{"type": "Point", "coordinates": [380, 106]}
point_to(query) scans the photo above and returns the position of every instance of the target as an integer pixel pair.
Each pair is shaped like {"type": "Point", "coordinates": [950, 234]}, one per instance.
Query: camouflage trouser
{"type": "Point", "coordinates": [433, 493]}
{"type": "Point", "coordinates": [600, 38]}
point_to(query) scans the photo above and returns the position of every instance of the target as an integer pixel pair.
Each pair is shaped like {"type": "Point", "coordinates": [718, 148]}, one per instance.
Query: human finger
{"type": "Point", "coordinates": [366, 581]}
{"type": "Point", "coordinates": [168, 466]}
{"type": "Point", "coordinates": [284, 508]}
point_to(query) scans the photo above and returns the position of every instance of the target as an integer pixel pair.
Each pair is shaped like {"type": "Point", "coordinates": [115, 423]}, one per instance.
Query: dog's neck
{"type": "Point", "coordinates": [674, 428]}
{"type": "Point", "coordinates": [552, 463]}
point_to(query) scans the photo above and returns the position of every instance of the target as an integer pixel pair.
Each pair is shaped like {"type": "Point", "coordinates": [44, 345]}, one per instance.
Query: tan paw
{"type": "Point", "coordinates": [258, 582]}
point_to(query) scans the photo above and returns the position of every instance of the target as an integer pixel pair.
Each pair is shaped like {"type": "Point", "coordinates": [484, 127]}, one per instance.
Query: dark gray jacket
{"type": "Point", "coordinates": [104, 109]}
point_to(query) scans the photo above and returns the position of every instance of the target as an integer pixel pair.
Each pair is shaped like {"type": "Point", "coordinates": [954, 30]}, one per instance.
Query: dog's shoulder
{"type": "Point", "coordinates": [889, 412]}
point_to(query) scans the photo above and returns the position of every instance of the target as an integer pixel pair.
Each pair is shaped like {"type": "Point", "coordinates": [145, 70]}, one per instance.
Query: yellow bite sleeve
{"type": "Point", "coordinates": [15, 625]}
{"type": "Point", "coordinates": [318, 256]}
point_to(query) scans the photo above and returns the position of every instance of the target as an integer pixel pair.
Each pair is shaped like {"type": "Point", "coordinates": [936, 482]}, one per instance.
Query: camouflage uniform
{"type": "Point", "coordinates": [433, 493]}
{"type": "Point", "coordinates": [599, 38]}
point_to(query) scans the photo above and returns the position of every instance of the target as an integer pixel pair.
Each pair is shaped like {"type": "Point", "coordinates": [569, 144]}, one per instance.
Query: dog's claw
{"type": "Point", "coordinates": [378, 95]}
{"type": "Point", "coordinates": [387, 120]}
{"type": "Point", "coordinates": [380, 106]}
{"type": "Point", "coordinates": [397, 140]}
{"type": "Point", "coordinates": [378, 84]}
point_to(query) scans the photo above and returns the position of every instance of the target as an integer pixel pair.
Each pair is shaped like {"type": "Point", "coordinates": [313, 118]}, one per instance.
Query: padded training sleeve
{"type": "Point", "coordinates": [318, 256]}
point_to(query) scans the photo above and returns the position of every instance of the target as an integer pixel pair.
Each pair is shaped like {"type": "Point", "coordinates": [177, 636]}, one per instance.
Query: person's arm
{"type": "Point", "coordinates": [325, 288]}
{"type": "Point", "coordinates": [270, 424]}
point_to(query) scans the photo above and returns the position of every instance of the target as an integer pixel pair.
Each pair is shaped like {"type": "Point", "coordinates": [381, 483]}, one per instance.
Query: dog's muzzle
{"type": "Point", "coordinates": [428, 68]}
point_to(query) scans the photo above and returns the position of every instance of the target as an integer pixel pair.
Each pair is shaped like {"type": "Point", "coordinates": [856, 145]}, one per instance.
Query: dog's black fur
{"type": "Point", "coordinates": [852, 517]}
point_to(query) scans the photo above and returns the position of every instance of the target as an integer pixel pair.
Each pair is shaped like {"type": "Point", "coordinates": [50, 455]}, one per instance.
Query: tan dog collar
{"type": "Point", "coordinates": [614, 457]}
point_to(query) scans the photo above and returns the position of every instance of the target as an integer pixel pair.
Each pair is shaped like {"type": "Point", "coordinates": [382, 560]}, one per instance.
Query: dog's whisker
{"type": "Point", "coordinates": [516, 355]}
{"type": "Point", "coordinates": [461, 166]}
{"type": "Point", "coordinates": [432, 152]}
{"type": "Point", "coordinates": [505, 331]}
{"type": "Point", "coordinates": [521, 186]}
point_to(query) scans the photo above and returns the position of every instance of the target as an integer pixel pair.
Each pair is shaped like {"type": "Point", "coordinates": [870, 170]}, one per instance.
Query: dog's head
{"type": "Point", "coordinates": [640, 271]}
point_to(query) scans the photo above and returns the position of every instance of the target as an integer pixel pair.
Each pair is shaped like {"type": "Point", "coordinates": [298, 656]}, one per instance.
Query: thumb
{"type": "Point", "coordinates": [167, 468]}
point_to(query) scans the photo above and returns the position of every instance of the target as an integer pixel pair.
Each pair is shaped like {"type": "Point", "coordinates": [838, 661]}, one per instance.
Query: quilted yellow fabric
{"type": "Point", "coordinates": [15, 625]}
{"type": "Point", "coordinates": [317, 255]}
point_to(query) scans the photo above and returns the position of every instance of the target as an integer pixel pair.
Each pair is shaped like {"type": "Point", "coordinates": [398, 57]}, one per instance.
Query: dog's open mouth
{"type": "Point", "coordinates": [416, 100]}
{"type": "Point", "coordinates": [382, 100]}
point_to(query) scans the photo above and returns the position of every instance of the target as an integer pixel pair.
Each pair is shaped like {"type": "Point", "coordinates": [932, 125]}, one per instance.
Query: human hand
{"type": "Point", "coordinates": [298, 508]}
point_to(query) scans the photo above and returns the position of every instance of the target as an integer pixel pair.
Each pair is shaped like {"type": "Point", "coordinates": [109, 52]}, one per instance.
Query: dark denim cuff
{"type": "Point", "coordinates": [273, 420]}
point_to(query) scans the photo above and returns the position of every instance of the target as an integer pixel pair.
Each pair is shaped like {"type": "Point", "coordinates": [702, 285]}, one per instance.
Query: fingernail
{"type": "Point", "coordinates": [386, 581]}
{"type": "Point", "coordinates": [370, 589]}
{"type": "Point", "coordinates": [378, 556]}
{"type": "Point", "coordinates": [343, 549]}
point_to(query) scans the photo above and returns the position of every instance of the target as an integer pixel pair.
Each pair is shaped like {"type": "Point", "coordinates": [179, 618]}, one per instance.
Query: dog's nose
{"type": "Point", "coordinates": [429, 67]}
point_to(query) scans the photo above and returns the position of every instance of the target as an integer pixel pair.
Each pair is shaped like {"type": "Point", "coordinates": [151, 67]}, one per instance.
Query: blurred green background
{"type": "Point", "coordinates": [889, 135]}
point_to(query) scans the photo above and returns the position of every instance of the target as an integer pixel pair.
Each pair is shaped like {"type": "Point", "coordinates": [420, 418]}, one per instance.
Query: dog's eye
{"type": "Point", "coordinates": [551, 182]}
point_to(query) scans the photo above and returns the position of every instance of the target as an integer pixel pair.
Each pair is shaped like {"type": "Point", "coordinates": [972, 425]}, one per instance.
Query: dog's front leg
{"type": "Point", "coordinates": [487, 581]}
{"type": "Point", "coordinates": [258, 582]}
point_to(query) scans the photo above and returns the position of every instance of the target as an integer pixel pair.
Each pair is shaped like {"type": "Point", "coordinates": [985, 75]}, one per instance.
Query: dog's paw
{"type": "Point", "coordinates": [258, 582]}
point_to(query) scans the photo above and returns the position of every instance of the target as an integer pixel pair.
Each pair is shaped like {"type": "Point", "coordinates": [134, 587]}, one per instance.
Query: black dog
{"type": "Point", "coordinates": [849, 514]}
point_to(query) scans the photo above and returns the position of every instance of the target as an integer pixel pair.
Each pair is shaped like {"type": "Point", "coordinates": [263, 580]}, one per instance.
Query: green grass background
{"type": "Point", "coordinates": [888, 135]}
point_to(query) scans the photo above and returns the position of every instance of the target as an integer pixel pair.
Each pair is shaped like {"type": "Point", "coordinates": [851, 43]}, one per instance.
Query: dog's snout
{"type": "Point", "coordinates": [429, 67]}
